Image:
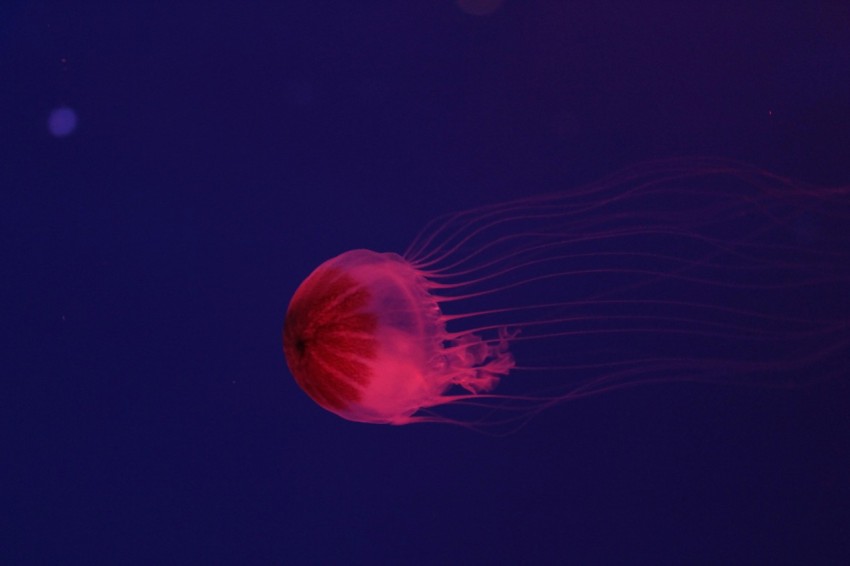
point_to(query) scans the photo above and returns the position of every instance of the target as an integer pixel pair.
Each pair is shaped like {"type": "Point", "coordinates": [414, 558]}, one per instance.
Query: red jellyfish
{"type": "Point", "coordinates": [709, 272]}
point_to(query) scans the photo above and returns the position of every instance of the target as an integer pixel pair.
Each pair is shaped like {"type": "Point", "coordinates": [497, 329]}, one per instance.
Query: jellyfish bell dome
{"type": "Point", "coordinates": [365, 339]}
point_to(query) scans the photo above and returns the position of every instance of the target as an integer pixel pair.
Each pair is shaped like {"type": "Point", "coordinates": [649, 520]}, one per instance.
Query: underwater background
{"type": "Point", "coordinates": [169, 174]}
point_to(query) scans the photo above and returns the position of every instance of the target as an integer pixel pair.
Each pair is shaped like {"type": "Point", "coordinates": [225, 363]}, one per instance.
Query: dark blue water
{"type": "Point", "coordinates": [222, 151]}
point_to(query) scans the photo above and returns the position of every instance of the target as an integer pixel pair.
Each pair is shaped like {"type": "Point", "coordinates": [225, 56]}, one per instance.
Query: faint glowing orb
{"type": "Point", "coordinates": [62, 121]}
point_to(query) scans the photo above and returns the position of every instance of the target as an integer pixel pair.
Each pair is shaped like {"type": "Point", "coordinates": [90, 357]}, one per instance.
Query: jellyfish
{"type": "Point", "coordinates": [680, 271]}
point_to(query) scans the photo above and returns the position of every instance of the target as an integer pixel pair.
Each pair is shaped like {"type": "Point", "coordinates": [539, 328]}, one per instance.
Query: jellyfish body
{"type": "Point", "coordinates": [365, 339]}
{"type": "Point", "coordinates": [709, 271]}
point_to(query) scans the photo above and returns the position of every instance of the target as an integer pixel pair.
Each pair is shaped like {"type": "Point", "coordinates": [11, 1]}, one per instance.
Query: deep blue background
{"type": "Point", "coordinates": [224, 150]}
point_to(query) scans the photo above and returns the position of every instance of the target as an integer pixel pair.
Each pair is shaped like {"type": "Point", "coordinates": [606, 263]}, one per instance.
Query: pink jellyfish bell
{"type": "Point", "coordinates": [711, 272]}
{"type": "Point", "coordinates": [366, 339]}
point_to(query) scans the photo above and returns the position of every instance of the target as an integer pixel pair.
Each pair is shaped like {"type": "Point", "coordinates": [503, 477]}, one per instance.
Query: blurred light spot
{"type": "Point", "coordinates": [479, 7]}
{"type": "Point", "coordinates": [62, 121]}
